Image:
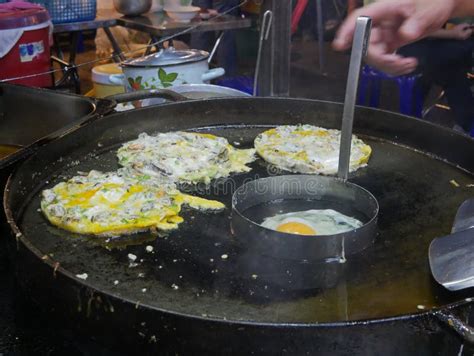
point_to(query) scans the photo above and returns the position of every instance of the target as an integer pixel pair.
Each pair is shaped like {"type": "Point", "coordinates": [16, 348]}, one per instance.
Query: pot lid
{"type": "Point", "coordinates": [169, 56]}
{"type": "Point", "coordinates": [21, 14]}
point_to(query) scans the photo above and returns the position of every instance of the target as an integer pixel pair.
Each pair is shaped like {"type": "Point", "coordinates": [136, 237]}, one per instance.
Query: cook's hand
{"type": "Point", "coordinates": [395, 24]}
{"type": "Point", "coordinates": [461, 32]}
{"type": "Point", "coordinates": [382, 56]}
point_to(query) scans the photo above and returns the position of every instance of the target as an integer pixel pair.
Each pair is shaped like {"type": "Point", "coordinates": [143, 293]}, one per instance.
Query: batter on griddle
{"type": "Point", "coordinates": [185, 156]}
{"type": "Point", "coordinates": [308, 149]}
{"type": "Point", "coordinates": [117, 203]}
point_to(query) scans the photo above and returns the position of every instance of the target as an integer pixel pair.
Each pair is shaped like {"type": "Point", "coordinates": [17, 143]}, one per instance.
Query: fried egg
{"type": "Point", "coordinates": [185, 156]}
{"type": "Point", "coordinates": [308, 149]}
{"type": "Point", "coordinates": [117, 203]}
{"type": "Point", "coordinates": [312, 222]}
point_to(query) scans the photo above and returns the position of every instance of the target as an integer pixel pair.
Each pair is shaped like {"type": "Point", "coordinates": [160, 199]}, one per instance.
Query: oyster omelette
{"type": "Point", "coordinates": [118, 203]}
{"type": "Point", "coordinates": [186, 157]}
{"type": "Point", "coordinates": [308, 149]}
{"type": "Point", "coordinates": [143, 195]}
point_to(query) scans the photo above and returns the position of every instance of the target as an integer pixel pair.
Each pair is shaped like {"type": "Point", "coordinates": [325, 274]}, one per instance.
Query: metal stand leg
{"type": "Point", "coordinates": [72, 62]}
{"type": "Point", "coordinates": [148, 47]}
{"type": "Point", "coordinates": [153, 40]}
{"type": "Point", "coordinates": [319, 14]}
{"type": "Point", "coordinates": [274, 78]}
{"type": "Point", "coordinates": [118, 55]}
{"type": "Point", "coordinates": [70, 74]}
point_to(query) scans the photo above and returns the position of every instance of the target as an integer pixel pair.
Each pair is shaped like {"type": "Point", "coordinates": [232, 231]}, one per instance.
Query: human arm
{"type": "Point", "coordinates": [397, 23]}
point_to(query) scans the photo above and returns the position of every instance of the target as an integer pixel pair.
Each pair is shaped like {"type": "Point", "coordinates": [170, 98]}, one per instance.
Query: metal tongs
{"type": "Point", "coordinates": [359, 51]}
{"type": "Point", "coordinates": [452, 256]}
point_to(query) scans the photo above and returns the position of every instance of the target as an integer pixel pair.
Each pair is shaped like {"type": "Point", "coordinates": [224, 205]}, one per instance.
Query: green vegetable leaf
{"type": "Point", "coordinates": [171, 77]}
{"type": "Point", "coordinates": [167, 85]}
{"type": "Point", "coordinates": [162, 74]}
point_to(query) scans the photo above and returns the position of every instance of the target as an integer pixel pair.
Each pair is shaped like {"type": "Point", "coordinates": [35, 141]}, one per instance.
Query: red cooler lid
{"type": "Point", "coordinates": [18, 14]}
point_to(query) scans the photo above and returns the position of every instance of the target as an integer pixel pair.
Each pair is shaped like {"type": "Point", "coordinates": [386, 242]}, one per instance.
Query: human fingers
{"type": "Point", "coordinates": [378, 12]}
{"type": "Point", "coordinates": [461, 32]}
{"type": "Point", "coordinates": [463, 26]}
{"type": "Point", "coordinates": [428, 16]}
{"type": "Point", "coordinates": [392, 64]}
{"type": "Point", "coordinates": [466, 34]}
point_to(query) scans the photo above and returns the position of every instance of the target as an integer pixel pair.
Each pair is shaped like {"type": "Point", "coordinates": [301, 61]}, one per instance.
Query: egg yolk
{"type": "Point", "coordinates": [296, 228]}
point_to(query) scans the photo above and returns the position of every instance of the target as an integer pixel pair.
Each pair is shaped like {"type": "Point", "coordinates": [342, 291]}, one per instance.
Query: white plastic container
{"type": "Point", "coordinates": [177, 3]}
{"type": "Point", "coordinates": [103, 86]}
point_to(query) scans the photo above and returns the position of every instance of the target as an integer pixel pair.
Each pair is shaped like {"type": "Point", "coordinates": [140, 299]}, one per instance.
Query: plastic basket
{"type": "Point", "coordinates": [62, 11]}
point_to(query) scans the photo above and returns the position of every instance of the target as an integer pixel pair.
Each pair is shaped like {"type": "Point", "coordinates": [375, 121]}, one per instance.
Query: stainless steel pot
{"type": "Point", "coordinates": [167, 68]}
{"type": "Point", "coordinates": [132, 7]}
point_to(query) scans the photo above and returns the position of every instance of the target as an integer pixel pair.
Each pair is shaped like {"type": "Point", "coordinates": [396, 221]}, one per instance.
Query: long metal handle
{"type": "Point", "coordinates": [146, 94]}
{"type": "Point", "coordinates": [359, 50]}
{"type": "Point", "coordinates": [216, 46]}
{"type": "Point", "coordinates": [264, 33]}
{"type": "Point", "coordinates": [456, 324]}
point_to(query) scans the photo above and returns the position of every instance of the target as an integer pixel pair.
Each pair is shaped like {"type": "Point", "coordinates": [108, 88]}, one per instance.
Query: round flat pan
{"type": "Point", "coordinates": [197, 271]}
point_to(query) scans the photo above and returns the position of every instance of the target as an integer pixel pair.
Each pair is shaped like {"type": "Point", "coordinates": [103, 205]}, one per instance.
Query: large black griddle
{"type": "Point", "coordinates": [236, 303]}
{"type": "Point", "coordinates": [32, 117]}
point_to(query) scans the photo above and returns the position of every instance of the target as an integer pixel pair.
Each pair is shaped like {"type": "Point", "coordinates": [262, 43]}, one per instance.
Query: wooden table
{"type": "Point", "coordinates": [158, 24]}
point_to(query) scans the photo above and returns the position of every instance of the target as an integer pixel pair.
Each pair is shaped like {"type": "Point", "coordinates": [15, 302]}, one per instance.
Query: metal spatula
{"type": "Point", "coordinates": [452, 256]}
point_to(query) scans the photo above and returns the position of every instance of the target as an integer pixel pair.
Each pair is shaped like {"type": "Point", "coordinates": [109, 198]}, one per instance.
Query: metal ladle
{"type": "Point", "coordinates": [359, 51]}
{"type": "Point", "coordinates": [322, 191]}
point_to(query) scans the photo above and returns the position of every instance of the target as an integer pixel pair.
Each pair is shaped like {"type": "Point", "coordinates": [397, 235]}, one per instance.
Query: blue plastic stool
{"type": "Point", "coordinates": [242, 83]}
{"type": "Point", "coordinates": [407, 85]}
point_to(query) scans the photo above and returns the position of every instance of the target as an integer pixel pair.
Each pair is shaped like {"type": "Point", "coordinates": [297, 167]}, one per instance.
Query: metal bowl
{"type": "Point", "coordinates": [132, 7]}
